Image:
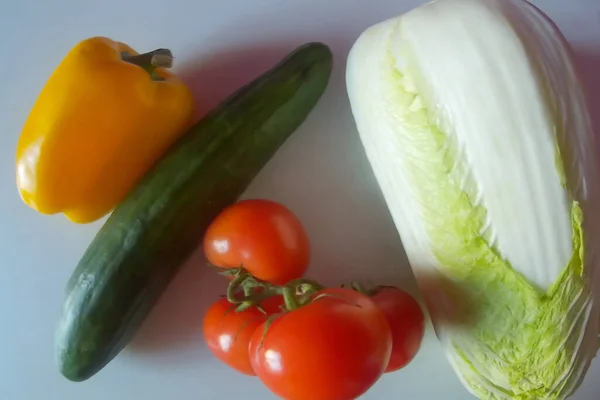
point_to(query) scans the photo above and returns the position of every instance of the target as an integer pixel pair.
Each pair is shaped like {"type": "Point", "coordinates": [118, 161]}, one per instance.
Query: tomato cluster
{"type": "Point", "coordinates": [301, 340]}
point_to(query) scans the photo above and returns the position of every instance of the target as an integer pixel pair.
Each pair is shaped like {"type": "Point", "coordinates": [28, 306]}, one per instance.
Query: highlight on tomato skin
{"type": "Point", "coordinates": [407, 324]}
{"type": "Point", "coordinates": [334, 348]}
{"type": "Point", "coordinates": [227, 332]}
{"type": "Point", "coordinates": [262, 236]}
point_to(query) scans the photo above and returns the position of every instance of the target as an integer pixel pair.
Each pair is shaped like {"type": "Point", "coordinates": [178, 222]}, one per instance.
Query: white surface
{"type": "Point", "coordinates": [321, 173]}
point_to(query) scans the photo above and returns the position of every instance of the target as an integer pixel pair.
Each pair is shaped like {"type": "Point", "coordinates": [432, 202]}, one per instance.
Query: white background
{"type": "Point", "coordinates": [321, 173]}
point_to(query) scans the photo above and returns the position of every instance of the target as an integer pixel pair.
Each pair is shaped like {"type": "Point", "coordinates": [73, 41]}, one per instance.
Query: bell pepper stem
{"type": "Point", "coordinates": [159, 58]}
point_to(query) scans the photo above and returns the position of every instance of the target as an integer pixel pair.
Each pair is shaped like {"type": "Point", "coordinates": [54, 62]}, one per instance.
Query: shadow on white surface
{"type": "Point", "coordinates": [588, 62]}
{"type": "Point", "coordinates": [216, 76]}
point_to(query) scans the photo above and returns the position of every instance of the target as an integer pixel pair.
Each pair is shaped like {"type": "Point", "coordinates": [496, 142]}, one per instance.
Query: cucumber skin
{"type": "Point", "coordinates": [139, 249]}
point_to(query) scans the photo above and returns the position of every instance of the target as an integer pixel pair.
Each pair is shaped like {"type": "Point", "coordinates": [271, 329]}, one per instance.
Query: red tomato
{"type": "Point", "coordinates": [227, 332]}
{"type": "Point", "coordinates": [334, 348]}
{"type": "Point", "coordinates": [263, 236]}
{"type": "Point", "coordinates": [406, 322]}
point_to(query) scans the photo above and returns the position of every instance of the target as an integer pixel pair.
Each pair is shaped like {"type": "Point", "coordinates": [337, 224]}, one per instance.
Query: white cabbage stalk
{"type": "Point", "coordinates": [476, 127]}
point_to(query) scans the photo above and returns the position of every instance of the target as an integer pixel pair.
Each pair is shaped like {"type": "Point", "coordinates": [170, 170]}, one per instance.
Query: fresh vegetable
{"type": "Point", "coordinates": [103, 118]}
{"type": "Point", "coordinates": [149, 235]}
{"type": "Point", "coordinates": [476, 126]}
{"type": "Point", "coordinates": [263, 236]}
{"type": "Point", "coordinates": [406, 322]}
{"type": "Point", "coordinates": [333, 348]}
{"type": "Point", "coordinates": [227, 332]}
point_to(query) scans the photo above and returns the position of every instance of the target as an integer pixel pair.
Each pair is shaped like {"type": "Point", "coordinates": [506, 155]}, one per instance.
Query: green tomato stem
{"type": "Point", "coordinates": [233, 288]}
{"type": "Point", "coordinates": [289, 298]}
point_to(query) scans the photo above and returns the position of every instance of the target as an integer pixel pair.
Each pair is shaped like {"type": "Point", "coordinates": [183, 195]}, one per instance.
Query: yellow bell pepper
{"type": "Point", "coordinates": [105, 115]}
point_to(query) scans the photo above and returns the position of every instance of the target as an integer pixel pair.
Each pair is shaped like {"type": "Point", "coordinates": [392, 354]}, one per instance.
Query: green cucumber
{"type": "Point", "coordinates": [138, 251]}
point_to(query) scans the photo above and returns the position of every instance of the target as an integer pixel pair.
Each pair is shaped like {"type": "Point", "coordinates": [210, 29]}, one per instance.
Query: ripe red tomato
{"type": "Point", "coordinates": [227, 332]}
{"type": "Point", "coordinates": [334, 348]}
{"type": "Point", "coordinates": [407, 324]}
{"type": "Point", "coordinates": [263, 236]}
